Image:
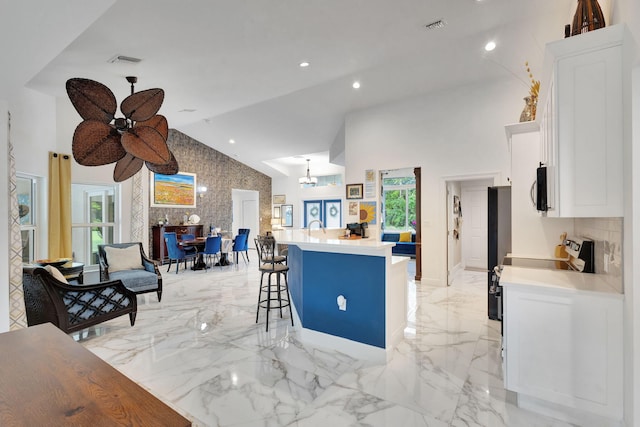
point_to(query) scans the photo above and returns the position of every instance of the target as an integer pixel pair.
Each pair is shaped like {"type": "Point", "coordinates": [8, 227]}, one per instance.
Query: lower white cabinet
{"type": "Point", "coordinates": [564, 347]}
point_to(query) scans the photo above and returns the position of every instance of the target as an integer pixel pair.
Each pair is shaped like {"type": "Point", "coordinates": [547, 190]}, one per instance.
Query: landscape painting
{"type": "Point", "coordinates": [173, 191]}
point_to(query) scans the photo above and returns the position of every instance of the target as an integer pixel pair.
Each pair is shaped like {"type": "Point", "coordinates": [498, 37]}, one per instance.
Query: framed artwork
{"type": "Point", "coordinates": [456, 204]}
{"type": "Point", "coordinates": [279, 199]}
{"type": "Point", "coordinates": [287, 215]}
{"type": "Point", "coordinates": [276, 212]}
{"type": "Point", "coordinates": [368, 212]}
{"type": "Point", "coordinates": [173, 191]}
{"type": "Point", "coordinates": [354, 191]}
{"type": "Point", "coordinates": [353, 208]}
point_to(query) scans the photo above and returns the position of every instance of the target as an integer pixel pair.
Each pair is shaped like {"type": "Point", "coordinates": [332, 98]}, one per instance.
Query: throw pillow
{"type": "Point", "coordinates": [120, 259]}
{"type": "Point", "coordinates": [405, 236]}
{"type": "Point", "coordinates": [56, 273]}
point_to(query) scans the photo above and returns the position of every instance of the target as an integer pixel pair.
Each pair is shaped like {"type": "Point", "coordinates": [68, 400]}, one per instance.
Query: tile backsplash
{"type": "Point", "coordinates": [607, 235]}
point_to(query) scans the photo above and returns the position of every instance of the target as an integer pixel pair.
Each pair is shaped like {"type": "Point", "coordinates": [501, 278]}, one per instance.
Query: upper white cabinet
{"type": "Point", "coordinates": [582, 124]}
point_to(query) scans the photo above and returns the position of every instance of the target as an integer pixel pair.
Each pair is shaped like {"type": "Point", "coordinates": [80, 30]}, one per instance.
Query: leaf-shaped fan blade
{"type": "Point", "coordinates": [143, 105]}
{"type": "Point", "coordinates": [159, 123]}
{"type": "Point", "coordinates": [169, 168]}
{"type": "Point", "coordinates": [126, 168]}
{"type": "Point", "coordinates": [92, 100]}
{"type": "Point", "coordinates": [146, 143]}
{"type": "Point", "coordinates": [96, 144]}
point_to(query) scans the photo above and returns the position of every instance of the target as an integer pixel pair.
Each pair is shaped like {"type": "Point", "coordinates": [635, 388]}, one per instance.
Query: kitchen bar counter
{"type": "Point", "coordinates": [556, 279]}
{"type": "Point", "coordinates": [323, 267]}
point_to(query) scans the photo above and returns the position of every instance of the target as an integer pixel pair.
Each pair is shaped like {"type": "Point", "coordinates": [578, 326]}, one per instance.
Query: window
{"type": "Point", "coordinates": [399, 203]}
{"type": "Point", "coordinates": [325, 181]}
{"type": "Point", "coordinates": [93, 220]}
{"type": "Point", "coordinates": [26, 188]}
{"type": "Point", "coordinates": [327, 211]}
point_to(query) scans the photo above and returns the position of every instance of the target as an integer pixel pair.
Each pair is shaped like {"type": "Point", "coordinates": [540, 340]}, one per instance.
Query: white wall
{"type": "Point", "coordinates": [455, 132]}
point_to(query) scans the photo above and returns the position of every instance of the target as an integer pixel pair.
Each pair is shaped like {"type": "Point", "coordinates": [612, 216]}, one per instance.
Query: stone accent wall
{"type": "Point", "coordinates": [220, 174]}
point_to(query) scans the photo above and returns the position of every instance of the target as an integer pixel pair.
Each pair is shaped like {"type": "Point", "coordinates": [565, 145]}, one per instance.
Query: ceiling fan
{"type": "Point", "coordinates": [140, 137]}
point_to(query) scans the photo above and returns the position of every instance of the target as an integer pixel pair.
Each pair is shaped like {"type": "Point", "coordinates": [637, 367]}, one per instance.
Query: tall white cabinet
{"type": "Point", "coordinates": [582, 122]}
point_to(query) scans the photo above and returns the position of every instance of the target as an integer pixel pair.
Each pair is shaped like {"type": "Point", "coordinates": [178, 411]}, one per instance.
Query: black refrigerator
{"type": "Point", "coordinates": [499, 242]}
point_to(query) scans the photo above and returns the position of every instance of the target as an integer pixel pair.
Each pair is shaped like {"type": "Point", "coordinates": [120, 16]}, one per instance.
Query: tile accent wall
{"type": "Point", "coordinates": [607, 235]}
{"type": "Point", "coordinates": [220, 174]}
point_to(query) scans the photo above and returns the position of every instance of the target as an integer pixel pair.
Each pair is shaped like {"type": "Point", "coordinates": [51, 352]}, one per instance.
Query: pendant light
{"type": "Point", "coordinates": [308, 179]}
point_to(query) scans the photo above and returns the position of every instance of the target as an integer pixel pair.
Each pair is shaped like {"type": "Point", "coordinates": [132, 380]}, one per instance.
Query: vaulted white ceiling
{"type": "Point", "coordinates": [235, 62]}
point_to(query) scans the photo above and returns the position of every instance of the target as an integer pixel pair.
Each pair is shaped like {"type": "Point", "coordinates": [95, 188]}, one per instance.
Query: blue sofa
{"type": "Point", "coordinates": [401, 248]}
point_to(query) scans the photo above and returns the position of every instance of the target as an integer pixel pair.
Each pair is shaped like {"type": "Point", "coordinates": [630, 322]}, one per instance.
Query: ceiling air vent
{"type": "Point", "coordinates": [122, 58]}
{"type": "Point", "coordinates": [435, 25]}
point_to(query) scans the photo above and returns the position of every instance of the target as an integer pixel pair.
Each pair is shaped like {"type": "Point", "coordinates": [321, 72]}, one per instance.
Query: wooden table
{"type": "Point", "coordinates": [46, 378]}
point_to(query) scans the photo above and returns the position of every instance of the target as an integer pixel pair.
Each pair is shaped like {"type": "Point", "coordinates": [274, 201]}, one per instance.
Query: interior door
{"type": "Point", "coordinates": [474, 227]}
{"type": "Point", "coordinates": [249, 217]}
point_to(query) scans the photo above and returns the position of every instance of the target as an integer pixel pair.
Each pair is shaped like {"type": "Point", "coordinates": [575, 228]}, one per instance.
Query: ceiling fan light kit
{"type": "Point", "coordinates": [140, 137]}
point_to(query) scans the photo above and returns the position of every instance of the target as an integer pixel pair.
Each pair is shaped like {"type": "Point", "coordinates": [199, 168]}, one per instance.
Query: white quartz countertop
{"type": "Point", "coordinates": [328, 240]}
{"type": "Point", "coordinates": [556, 279]}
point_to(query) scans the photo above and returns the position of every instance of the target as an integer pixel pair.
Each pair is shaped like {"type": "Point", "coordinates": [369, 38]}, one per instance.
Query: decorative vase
{"type": "Point", "coordinates": [529, 112]}
{"type": "Point", "coordinates": [588, 17]}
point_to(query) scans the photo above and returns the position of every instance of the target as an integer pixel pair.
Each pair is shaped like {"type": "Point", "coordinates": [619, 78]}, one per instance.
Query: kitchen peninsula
{"type": "Point", "coordinates": [371, 281]}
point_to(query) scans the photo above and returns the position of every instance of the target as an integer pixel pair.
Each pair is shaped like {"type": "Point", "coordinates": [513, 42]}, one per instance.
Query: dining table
{"type": "Point", "coordinates": [48, 379]}
{"type": "Point", "coordinates": [200, 242]}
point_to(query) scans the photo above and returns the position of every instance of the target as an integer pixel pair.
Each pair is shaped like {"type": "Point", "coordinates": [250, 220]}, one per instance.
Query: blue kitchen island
{"type": "Point", "coordinates": [348, 295]}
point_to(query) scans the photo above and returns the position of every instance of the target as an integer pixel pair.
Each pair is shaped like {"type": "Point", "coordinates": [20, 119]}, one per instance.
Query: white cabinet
{"type": "Point", "coordinates": [582, 123]}
{"type": "Point", "coordinates": [564, 347]}
{"type": "Point", "coordinates": [531, 233]}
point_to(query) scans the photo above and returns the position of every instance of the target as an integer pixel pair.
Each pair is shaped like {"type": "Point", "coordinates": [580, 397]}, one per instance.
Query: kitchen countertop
{"type": "Point", "coordinates": [330, 241]}
{"type": "Point", "coordinates": [556, 279]}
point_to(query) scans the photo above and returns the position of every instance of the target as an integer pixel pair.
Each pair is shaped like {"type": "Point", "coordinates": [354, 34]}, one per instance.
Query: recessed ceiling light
{"type": "Point", "coordinates": [490, 46]}
{"type": "Point", "coordinates": [304, 64]}
{"type": "Point", "coordinates": [232, 141]}
{"type": "Point", "coordinates": [356, 85]}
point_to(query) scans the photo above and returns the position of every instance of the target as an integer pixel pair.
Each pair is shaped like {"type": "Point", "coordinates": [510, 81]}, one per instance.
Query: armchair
{"type": "Point", "coordinates": [128, 263]}
{"type": "Point", "coordinates": [73, 307]}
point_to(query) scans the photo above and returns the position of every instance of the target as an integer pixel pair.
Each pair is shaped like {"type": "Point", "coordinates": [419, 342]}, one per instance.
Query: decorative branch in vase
{"type": "Point", "coordinates": [531, 102]}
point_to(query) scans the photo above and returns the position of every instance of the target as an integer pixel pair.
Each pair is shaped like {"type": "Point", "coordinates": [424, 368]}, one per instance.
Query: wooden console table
{"type": "Point", "coordinates": [46, 378]}
{"type": "Point", "coordinates": [159, 248]}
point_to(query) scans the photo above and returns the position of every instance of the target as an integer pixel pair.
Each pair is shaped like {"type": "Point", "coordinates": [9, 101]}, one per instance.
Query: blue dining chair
{"type": "Point", "coordinates": [176, 253]}
{"type": "Point", "coordinates": [240, 244]}
{"type": "Point", "coordinates": [212, 248]}
{"type": "Point", "coordinates": [188, 249]}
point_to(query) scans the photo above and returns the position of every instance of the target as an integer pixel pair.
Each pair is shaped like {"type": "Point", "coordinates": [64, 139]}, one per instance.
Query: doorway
{"type": "Point", "coordinates": [400, 207]}
{"type": "Point", "coordinates": [466, 223]}
{"type": "Point", "coordinates": [245, 211]}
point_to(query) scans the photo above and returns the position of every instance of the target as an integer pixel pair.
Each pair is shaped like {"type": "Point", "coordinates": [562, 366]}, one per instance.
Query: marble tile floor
{"type": "Point", "coordinates": [200, 351]}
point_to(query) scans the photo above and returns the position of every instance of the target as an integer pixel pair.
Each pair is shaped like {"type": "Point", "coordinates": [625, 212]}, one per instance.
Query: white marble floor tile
{"type": "Point", "coordinates": [201, 351]}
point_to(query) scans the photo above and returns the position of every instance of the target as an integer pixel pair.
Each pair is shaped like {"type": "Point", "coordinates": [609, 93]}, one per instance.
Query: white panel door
{"type": "Point", "coordinates": [249, 217]}
{"type": "Point", "coordinates": [474, 227]}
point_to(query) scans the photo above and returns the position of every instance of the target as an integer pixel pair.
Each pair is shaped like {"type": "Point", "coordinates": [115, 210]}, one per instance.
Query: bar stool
{"type": "Point", "coordinates": [274, 291]}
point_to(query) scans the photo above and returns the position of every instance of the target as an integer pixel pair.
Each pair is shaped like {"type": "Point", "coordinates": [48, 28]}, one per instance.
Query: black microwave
{"type": "Point", "coordinates": [540, 184]}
